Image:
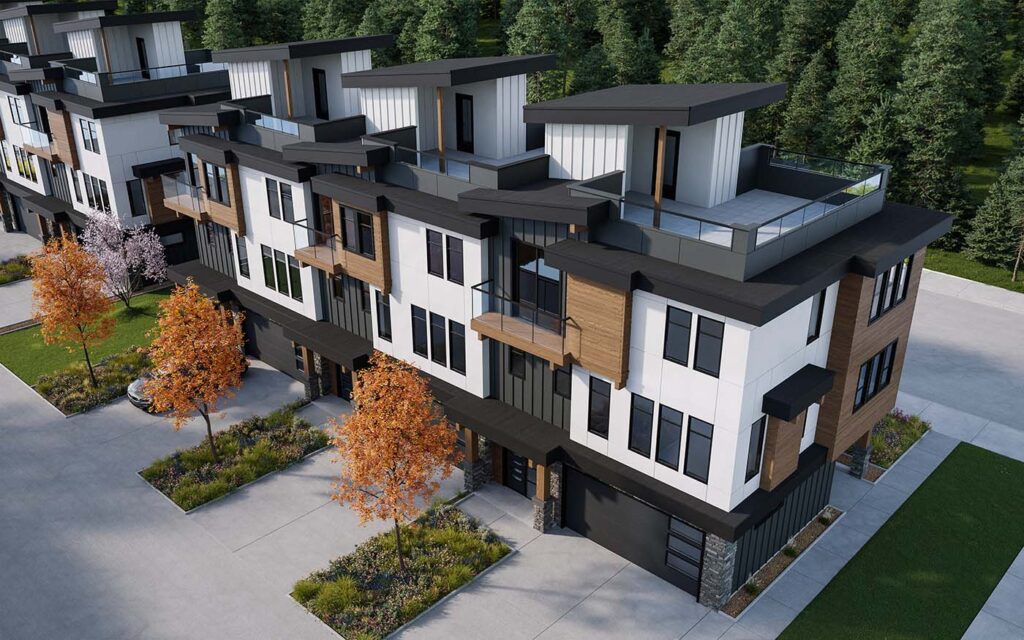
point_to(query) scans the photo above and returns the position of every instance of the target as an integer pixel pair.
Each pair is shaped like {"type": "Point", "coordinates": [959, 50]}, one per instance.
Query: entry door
{"type": "Point", "coordinates": [519, 476]}
{"type": "Point", "coordinates": [464, 123]}
{"type": "Point", "coordinates": [344, 379]}
{"type": "Point", "coordinates": [140, 46]}
{"type": "Point", "coordinates": [668, 183]}
{"type": "Point", "coordinates": [320, 94]}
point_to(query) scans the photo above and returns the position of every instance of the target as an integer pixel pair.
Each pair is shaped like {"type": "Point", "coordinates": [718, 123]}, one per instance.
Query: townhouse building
{"type": "Point", "coordinates": [82, 91]}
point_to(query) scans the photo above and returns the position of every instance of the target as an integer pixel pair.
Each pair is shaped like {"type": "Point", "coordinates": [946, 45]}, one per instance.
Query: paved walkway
{"type": "Point", "coordinates": [1002, 617]}
{"type": "Point", "coordinates": [16, 244]}
{"type": "Point", "coordinates": [15, 303]}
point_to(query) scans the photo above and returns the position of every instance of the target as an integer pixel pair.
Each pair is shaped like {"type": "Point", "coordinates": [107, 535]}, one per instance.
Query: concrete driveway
{"type": "Point", "coordinates": [89, 550]}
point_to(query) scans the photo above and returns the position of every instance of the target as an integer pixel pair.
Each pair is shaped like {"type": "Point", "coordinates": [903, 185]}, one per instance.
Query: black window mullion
{"type": "Point", "coordinates": [599, 407]}
{"type": "Point", "coordinates": [438, 347]}
{"type": "Point", "coordinates": [419, 331]}
{"type": "Point", "coordinates": [641, 425]}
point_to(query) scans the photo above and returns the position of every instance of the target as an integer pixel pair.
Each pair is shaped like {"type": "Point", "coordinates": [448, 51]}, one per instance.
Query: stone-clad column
{"type": "Point", "coordinates": [476, 462]}
{"type": "Point", "coordinates": [547, 503]}
{"type": "Point", "coordinates": [717, 574]}
{"type": "Point", "coordinates": [860, 454]}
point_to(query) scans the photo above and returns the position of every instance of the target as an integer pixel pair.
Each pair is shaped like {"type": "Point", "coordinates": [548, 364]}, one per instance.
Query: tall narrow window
{"type": "Point", "coordinates": [754, 447]}
{"type": "Point", "coordinates": [457, 346]}
{"type": "Point", "coordinates": [295, 278]}
{"type": "Point", "coordinates": [243, 257]}
{"type": "Point", "coordinates": [677, 335]}
{"type": "Point", "coordinates": [273, 199]}
{"type": "Point", "coordinates": [438, 349]}
{"type": "Point", "coordinates": [268, 267]}
{"type": "Point", "coordinates": [600, 407]}
{"type": "Point", "coordinates": [517, 363]}
{"type": "Point", "coordinates": [708, 355]}
{"type": "Point", "coordinates": [419, 331]}
{"type": "Point", "coordinates": [874, 375]}
{"type": "Point", "coordinates": [338, 288]}
{"type": "Point", "coordinates": [349, 230]}
{"type": "Point", "coordinates": [364, 297]}
{"type": "Point", "coordinates": [562, 381]}
{"type": "Point", "coordinates": [365, 234]}
{"type": "Point", "coordinates": [90, 140]}
{"type": "Point", "coordinates": [698, 450]}
{"type": "Point", "coordinates": [817, 315]}
{"type": "Point", "coordinates": [282, 272]}
{"type": "Point", "coordinates": [320, 104]}
{"type": "Point", "coordinates": [300, 360]}
{"type": "Point", "coordinates": [901, 290]}
{"type": "Point", "coordinates": [670, 437]}
{"type": "Point", "coordinates": [287, 206]}
{"type": "Point", "coordinates": [435, 254]}
{"type": "Point", "coordinates": [383, 316]}
{"type": "Point", "coordinates": [641, 425]}
{"type": "Point", "coordinates": [136, 198]}
{"type": "Point", "coordinates": [357, 232]}
{"type": "Point", "coordinates": [455, 273]}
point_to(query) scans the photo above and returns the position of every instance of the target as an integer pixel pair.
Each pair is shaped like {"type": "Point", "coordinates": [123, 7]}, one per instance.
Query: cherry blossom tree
{"type": "Point", "coordinates": [130, 256]}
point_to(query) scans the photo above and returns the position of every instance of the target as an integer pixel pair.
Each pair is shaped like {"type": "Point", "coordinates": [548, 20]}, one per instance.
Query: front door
{"type": "Point", "coordinates": [464, 123]}
{"type": "Point", "coordinates": [519, 475]}
{"type": "Point", "coordinates": [668, 182]}
{"type": "Point", "coordinates": [140, 46]}
{"type": "Point", "coordinates": [320, 94]}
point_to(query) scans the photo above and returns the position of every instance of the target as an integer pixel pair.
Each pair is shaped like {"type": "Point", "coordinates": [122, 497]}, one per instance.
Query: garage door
{"type": "Point", "coordinates": [265, 340]}
{"type": "Point", "coordinates": [667, 547]}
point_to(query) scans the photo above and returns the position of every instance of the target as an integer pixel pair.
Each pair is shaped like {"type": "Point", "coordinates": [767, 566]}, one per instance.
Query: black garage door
{"type": "Point", "coordinates": [265, 340]}
{"type": "Point", "coordinates": [665, 546]}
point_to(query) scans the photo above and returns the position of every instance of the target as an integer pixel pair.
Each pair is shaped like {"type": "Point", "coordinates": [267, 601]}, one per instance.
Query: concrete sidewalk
{"type": "Point", "coordinates": [1002, 617]}
{"type": "Point", "coordinates": [16, 243]}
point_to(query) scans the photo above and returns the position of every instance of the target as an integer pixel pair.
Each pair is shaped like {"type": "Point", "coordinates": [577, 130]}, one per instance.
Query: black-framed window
{"type": "Point", "coordinates": [357, 232]}
{"type": "Point", "coordinates": [136, 198]}
{"type": "Point", "coordinates": [268, 267]}
{"type": "Point", "coordinates": [287, 205]}
{"type": "Point", "coordinates": [455, 268]}
{"type": "Point", "coordinates": [295, 278]}
{"type": "Point", "coordinates": [281, 265]}
{"type": "Point", "coordinates": [517, 363]}
{"type": "Point", "coordinates": [338, 288]}
{"type": "Point", "coordinates": [90, 139]}
{"type": "Point", "coordinates": [599, 407]}
{"type": "Point", "coordinates": [383, 316]}
{"type": "Point", "coordinates": [697, 463]}
{"type": "Point", "coordinates": [19, 111]}
{"type": "Point", "coordinates": [874, 375]}
{"type": "Point", "coordinates": [419, 331]}
{"type": "Point", "coordinates": [457, 346]}
{"type": "Point", "coordinates": [754, 448]}
{"type": "Point", "coordinates": [641, 425]}
{"type": "Point", "coordinates": [438, 347]}
{"type": "Point", "coordinates": [537, 287]}
{"type": "Point", "coordinates": [677, 335]}
{"type": "Point", "coordinates": [891, 288]}
{"type": "Point", "coordinates": [27, 166]}
{"type": "Point", "coordinates": [96, 193]}
{"type": "Point", "coordinates": [217, 183]}
{"type": "Point", "coordinates": [243, 257]}
{"type": "Point", "coordinates": [320, 103]}
{"type": "Point", "coordinates": [707, 357]}
{"type": "Point", "coordinates": [194, 164]}
{"type": "Point", "coordinates": [300, 359]}
{"type": "Point", "coordinates": [74, 183]}
{"type": "Point", "coordinates": [817, 316]}
{"type": "Point", "coordinates": [435, 253]}
{"type": "Point", "coordinates": [364, 297]}
{"type": "Point", "coordinates": [561, 380]}
{"type": "Point", "coordinates": [670, 437]}
{"type": "Point", "coordinates": [273, 199]}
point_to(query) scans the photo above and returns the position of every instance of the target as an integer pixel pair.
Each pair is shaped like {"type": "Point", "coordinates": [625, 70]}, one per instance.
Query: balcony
{"type": "Point", "coordinates": [314, 248]}
{"type": "Point", "coordinates": [113, 86]}
{"type": "Point", "coordinates": [36, 141]}
{"type": "Point", "coordinates": [523, 326]}
{"type": "Point", "coordinates": [184, 198]}
{"type": "Point", "coordinates": [434, 162]}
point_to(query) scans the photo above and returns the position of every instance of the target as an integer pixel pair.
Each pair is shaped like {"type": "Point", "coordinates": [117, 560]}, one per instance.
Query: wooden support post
{"type": "Point", "coordinates": [288, 89]}
{"type": "Point", "coordinates": [543, 481]}
{"type": "Point", "coordinates": [659, 174]}
{"type": "Point", "coordinates": [307, 361]}
{"type": "Point", "coordinates": [106, 50]}
{"type": "Point", "coordinates": [440, 129]}
{"type": "Point", "coordinates": [472, 445]}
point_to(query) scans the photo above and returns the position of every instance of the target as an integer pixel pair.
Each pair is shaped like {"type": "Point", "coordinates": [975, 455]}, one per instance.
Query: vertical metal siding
{"type": "Point", "coordinates": [346, 313]}
{"type": "Point", "coordinates": [249, 79]}
{"type": "Point", "coordinates": [581, 151]}
{"type": "Point", "coordinates": [215, 250]}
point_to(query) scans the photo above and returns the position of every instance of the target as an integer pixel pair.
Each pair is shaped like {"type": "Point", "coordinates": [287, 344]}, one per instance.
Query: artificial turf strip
{"type": "Point", "coordinates": [928, 571]}
{"type": "Point", "coordinates": [28, 357]}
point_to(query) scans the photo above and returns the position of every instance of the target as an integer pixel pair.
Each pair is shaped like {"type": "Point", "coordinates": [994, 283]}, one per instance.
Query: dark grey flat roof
{"type": "Point", "coordinates": [792, 396]}
{"type": "Point", "coordinates": [304, 49]}
{"type": "Point", "coordinates": [93, 109]}
{"type": "Point", "coordinates": [656, 104]}
{"type": "Point", "coordinates": [158, 168]}
{"type": "Point", "coordinates": [353, 153]}
{"type": "Point", "coordinates": [220, 151]}
{"type": "Point", "coordinates": [58, 7]}
{"type": "Point", "coordinates": [547, 200]}
{"type": "Point", "coordinates": [203, 115]}
{"type": "Point", "coordinates": [97, 22]}
{"type": "Point", "coordinates": [867, 248]}
{"type": "Point", "coordinates": [448, 73]}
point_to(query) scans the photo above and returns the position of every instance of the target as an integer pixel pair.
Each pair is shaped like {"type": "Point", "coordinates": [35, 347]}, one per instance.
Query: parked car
{"type": "Point", "coordinates": [137, 393]}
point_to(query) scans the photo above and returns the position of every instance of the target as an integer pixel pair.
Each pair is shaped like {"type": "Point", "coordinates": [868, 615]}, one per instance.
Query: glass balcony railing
{"type": "Point", "coordinates": [316, 247]}
{"type": "Point", "coordinates": [434, 162]}
{"type": "Point", "coordinates": [677, 223]}
{"type": "Point", "coordinates": [277, 124]}
{"type": "Point", "coordinates": [139, 75]}
{"type": "Point", "coordinates": [521, 324]}
{"type": "Point", "coordinates": [180, 195]}
{"type": "Point", "coordinates": [31, 136]}
{"type": "Point", "coordinates": [855, 171]}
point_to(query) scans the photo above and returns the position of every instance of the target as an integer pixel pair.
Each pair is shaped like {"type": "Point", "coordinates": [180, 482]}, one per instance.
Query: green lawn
{"type": "Point", "coordinates": [930, 569]}
{"type": "Point", "coordinates": [956, 264]}
{"type": "Point", "coordinates": [25, 353]}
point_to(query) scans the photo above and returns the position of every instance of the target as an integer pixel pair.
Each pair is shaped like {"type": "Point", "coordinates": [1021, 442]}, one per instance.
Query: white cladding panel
{"type": "Point", "coordinates": [249, 79]}
{"type": "Point", "coordinates": [15, 30]}
{"type": "Point", "coordinates": [82, 43]}
{"type": "Point", "coordinates": [726, 158]}
{"type": "Point", "coordinates": [509, 116]}
{"type": "Point", "coordinates": [349, 103]}
{"type": "Point", "coordinates": [167, 46]}
{"type": "Point", "coordinates": [412, 285]}
{"type": "Point", "coordinates": [426, 113]}
{"type": "Point", "coordinates": [48, 40]}
{"type": "Point", "coordinates": [485, 125]}
{"type": "Point", "coordinates": [388, 108]}
{"type": "Point", "coordinates": [582, 151]}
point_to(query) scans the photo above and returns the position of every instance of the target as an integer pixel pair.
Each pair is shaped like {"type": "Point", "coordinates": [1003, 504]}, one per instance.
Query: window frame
{"type": "Point", "coordinates": [435, 253]}
{"type": "Point", "coordinates": [269, 268]}
{"type": "Point", "coordinates": [875, 375]}
{"type": "Point", "coordinates": [517, 363]}
{"type": "Point", "coordinates": [664, 420]}
{"type": "Point", "coordinates": [294, 278]}
{"type": "Point", "coordinates": [384, 331]}
{"type": "Point", "coordinates": [420, 328]}
{"type": "Point", "coordinates": [438, 339]}
{"type": "Point", "coordinates": [364, 296]}
{"type": "Point", "coordinates": [641, 410]}
{"type": "Point", "coordinates": [601, 389]}
{"type": "Point", "coordinates": [562, 374]}
{"type": "Point", "coordinates": [703, 338]}
{"type": "Point", "coordinates": [757, 428]}
{"type": "Point", "coordinates": [457, 336]}
{"type": "Point", "coordinates": [90, 138]}
{"type": "Point", "coordinates": [273, 198]}
{"type": "Point", "coordinates": [669, 324]}
{"type": "Point", "coordinates": [300, 357]}
{"type": "Point", "coordinates": [691, 439]}
{"type": "Point", "coordinates": [281, 272]}
{"type": "Point", "coordinates": [454, 260]}
{"type": "Point", "coordinates": [243, 257]}
{"type": "Point", "coordinates": [817, 315]}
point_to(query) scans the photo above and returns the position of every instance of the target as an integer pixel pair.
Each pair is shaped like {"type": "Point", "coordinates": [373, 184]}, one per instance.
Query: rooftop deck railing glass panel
{"type": "Point", "coordinates": [431, 161]}
{"type": "Point", "coordinates": [312, 245]}
{"type": "Point", "coordinates": [182, 195]}
{"type": "Point", "coordinates": [281, 125]}
{"type": "Point", "coordinates": [140, 75]}
{"type": "Point", "coordinates": [31, 136]}
{"type": "Point", "coordinates": [677, 223]}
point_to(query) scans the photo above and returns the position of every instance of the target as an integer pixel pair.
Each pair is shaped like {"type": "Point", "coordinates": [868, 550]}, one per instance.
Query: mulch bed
{"type": "Point", "coordinates": [71, 390]}
{"type": "Point", "coordinates": [774, 567]}
{"type": "Point", "coordinates": [874, 471]}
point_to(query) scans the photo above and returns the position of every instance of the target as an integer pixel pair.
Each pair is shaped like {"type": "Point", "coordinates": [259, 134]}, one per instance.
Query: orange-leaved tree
{"type": "Point", "coordinates": [197, 357]}
{"type": "Point", "coordinates": [395, 447]}
{"type": "Point", "coordinates": [67, 292]}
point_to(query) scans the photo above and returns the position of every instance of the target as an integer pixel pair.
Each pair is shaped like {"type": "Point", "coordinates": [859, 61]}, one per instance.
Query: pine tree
{"type": "Point", "coordinates": [998, 229]}
{"type": "Point", "coordinates": [868, 57]}
{"type": "Point", "coordinates": [593, 72]}
{"type": "Point", "coordinates": [192, 31]}
{"type": "Point", "coordinates": [398, 17]}
{"type": "Point", "coordinates": [322, 19]}
{"type": "Point", "coordinates": [228, 24]}
{"type": "Point", "coordinates": [538, 30]}
{"type": "Point", "coordinates": [278, 21]}
{"type": "Point", "coordinates": [746, 41]}
{"type": "Point", "coordinates": [447, 30]}
{"type": "Point", "coordinates": [994, 20]}
{"type": "Point", "coordinates": [579, 18]}
{"type": "Point", "coordinates": [880, 143]}
{"type": "Point", "coordinates": [694, 26]}
{"type": "Point", "coordinates": [806, 118]}
{"type": "Point", "coordinates": [1013, 98]}
{"type": "Point", "coordinates": [654, 16]}
{"type": "Point", "coordinates": [507, 17]}
{"type": "Point", "coordinates": [635, 59]}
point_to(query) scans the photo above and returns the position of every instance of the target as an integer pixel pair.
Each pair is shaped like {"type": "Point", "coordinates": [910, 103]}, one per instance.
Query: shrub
{"type": "Point", "coordinates": [190, 494]}
{"type": "Point", "coordinates": [454, 577]}
{"type": "Point", "coordinates": [894, 435]}
{"type": "Point", "coordinates": [791, 552]}
{"type": "Point", "coordinates": [825, 519]}
{"type": "Point", "coordinates": [17, 268]}
{"type": "Point", "coordinates": [752, 588]}
{"type": "Point", "coordinates": [71, 391]}
{"type": "Point", "coordinates": [336, 596]}
{"type": "Point", "coordinates": [305, 590]}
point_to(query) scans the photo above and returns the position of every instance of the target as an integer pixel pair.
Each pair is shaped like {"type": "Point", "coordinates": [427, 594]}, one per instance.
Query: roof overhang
{"type": "Point", "coordinates": [448, 73]}
{"type": "Point", "coordinates": [795, 394]}
{"type": "Point", "coordinates": [305, 49]}
{"type": "Point", "coordinates": [353, 153]}
{"type": "Point", "coordinates": [158, 168]}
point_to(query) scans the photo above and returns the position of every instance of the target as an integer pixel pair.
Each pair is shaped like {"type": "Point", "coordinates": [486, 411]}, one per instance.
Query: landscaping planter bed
{"type": "Point", "coordinates": [774, 567]}
{"type": "Point", "coordinates": [18, 268]}
{"type": "Point", "coordinates": [71, 391]}
{"type": "Point", "coordinates": [363, 595]}
{"type": "Point", "coordinates": [248, 451]}
{"type": "Point", "coordinates": [890, 439]}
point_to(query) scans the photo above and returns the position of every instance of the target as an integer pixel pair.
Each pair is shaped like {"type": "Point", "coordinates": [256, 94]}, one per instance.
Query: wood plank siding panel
{"type": "Point", "coordinates": [159, 213]}
{"type": "Point", "coordinates": [781, 450]}
{"type": "Point", "coordinates": [598, 327]}
{"type": "Point", "coordinates": [231, 215]}
{"type": "Point", "coordinates": [854, 341]}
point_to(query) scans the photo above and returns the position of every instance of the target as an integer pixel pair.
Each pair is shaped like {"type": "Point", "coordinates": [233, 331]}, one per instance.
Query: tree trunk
{"type": "Point", "coordinates": [88, 363]}
{"type": "Point", "coordinates": [398, 547]}
{"type": "Point", "coordinates": [1020, 257]}
{"type": "Point", "coordinates": [205, 412]}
